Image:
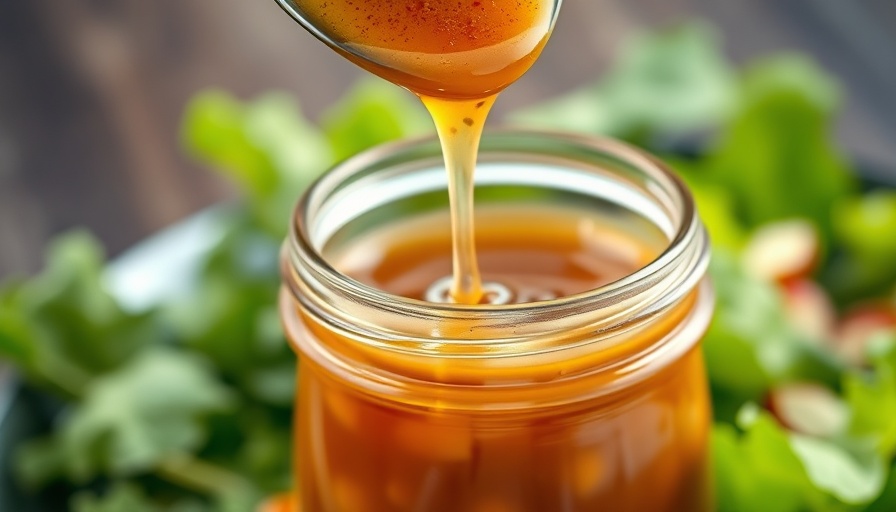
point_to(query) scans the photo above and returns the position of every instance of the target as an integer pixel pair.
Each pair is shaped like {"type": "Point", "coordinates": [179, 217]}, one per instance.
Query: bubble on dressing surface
{"type": "Point", "coordinates": [492, 293]}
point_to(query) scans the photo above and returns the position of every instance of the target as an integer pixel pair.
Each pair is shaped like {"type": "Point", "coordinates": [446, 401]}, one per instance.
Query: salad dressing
{"type": "Point", "coordinates": [457, 57]}
{"type": "Point", "coordinates": [360, 453]}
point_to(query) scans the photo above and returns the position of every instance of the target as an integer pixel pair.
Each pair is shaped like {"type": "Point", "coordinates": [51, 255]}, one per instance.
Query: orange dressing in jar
{"type": "Point", "coordinates": [585, 390]}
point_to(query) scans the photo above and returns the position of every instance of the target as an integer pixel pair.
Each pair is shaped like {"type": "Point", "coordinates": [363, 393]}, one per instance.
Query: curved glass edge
{"type": "Point", "coordinates": [308, 266]}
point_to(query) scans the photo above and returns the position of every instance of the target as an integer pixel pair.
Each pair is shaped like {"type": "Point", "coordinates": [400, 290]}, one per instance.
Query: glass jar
{"type": "Point", "coordinates": [594, 401]}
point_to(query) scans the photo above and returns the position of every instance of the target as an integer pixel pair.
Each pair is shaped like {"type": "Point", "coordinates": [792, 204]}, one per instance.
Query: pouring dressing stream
{"type": "Point", "coordinates": [457, 57]}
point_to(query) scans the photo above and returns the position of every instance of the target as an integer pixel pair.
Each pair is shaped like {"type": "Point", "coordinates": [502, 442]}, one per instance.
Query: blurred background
{"type": "Point", "coordinates": [92, 91]}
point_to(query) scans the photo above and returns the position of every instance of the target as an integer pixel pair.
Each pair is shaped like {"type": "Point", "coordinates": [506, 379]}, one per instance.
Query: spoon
{"type": "Point", "coordinates": [435, 48]}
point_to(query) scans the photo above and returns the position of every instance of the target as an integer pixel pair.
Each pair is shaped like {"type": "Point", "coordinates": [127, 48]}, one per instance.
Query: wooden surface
{"type": "Point", "coordinates": [91, 92]}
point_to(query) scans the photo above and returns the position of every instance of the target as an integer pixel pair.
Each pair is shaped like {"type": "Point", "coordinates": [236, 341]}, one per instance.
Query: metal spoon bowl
{"type": "Point", "coordinates": [470, 73]}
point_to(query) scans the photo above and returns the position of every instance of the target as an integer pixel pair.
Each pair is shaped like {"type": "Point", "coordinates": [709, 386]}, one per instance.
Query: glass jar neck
{"type": "Point", "coordinates": [505, 335]}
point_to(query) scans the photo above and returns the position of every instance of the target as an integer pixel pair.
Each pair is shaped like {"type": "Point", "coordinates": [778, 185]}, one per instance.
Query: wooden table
{"type": "Point", "coordinates": [91, 92]}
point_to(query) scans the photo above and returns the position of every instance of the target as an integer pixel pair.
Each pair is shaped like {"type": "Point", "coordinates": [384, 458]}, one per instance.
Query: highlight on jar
{"type": "Point", "coordinates": [575, 383]}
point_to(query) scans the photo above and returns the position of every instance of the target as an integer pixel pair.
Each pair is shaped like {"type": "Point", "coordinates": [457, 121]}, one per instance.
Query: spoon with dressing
{"type": "Point", "coordinates": [439, 48]}
{"type": "Point", "coordinates": [456, 55]}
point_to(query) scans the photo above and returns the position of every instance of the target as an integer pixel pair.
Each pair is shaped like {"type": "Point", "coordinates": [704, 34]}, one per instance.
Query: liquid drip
{"type": "Point", "coordinates": [492, 293]}
{"type": "Point", "coordinates": [459, 124]}
{"type": "Point", "coordinates": [457, 56]}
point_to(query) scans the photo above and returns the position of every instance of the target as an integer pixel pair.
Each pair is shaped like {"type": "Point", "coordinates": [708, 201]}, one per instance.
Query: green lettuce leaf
{"type": "Point", "coordinates": [765, 468]}
{"type": "Point", "coordinates": [777, 157]}
{"type": "Point", "coordinates": [887, 500]}
{"type": "Point", "coordinates": [757, 470]}
{"type": "Point", "coordinates": [63, 326]}
{"type": "Point", "coordinates": [146, 410]}
{"type": "Point", "coordinates": [374, 111]}
{"type": "Point", "coordinates": [750, 345]}
{"type": "Point", "coordinates": [671, 80]}
{"type": "Point", "coordinates": [872, 398]}
{"type": "Point", "coordinates": [864, 227]}
{"type": "Point", "coordinates": [266, 146]}
{"type": "Point", "coordinates": [120, 498]}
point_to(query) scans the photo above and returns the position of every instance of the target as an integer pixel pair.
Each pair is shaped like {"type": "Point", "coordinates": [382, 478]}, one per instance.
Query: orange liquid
{"type": "Point", "coordinates": [640, 449]}
{"type": "Point", "coordinates": [539, 252]}
{"type": "Point", "coordinates": [457, 56]}
{"type": "Point", "coordinates": [468, 49]}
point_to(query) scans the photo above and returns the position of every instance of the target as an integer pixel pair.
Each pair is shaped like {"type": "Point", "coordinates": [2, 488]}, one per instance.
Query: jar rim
{"type": "Point", "coordinates": [686, 231]}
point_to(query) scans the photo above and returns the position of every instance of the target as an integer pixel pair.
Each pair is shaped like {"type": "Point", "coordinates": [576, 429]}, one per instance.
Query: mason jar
{"type": "Point", "coordinates": [583, 401]}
